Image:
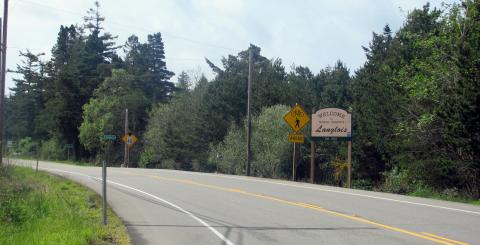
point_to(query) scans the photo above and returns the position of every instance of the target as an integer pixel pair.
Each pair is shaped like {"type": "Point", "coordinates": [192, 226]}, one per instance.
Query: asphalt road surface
{"type": "Point", "coordinates": [177, 207]}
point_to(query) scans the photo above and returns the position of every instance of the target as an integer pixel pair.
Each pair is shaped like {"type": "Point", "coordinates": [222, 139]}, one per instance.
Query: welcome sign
{"type": "Point", "coordinates": [332, 123]}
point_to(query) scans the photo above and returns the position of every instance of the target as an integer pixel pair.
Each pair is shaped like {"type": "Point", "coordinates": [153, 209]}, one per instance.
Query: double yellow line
{"type": "Point", "coordinates": [423, 235]}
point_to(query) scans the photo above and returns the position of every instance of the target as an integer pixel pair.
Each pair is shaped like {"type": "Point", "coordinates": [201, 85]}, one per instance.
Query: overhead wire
{"type": "Point", "coordinates": [147, 29]}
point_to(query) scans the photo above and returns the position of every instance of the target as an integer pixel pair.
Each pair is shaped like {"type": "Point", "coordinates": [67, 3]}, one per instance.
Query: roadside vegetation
{"type": "Point", "coordinates": [37, 208]}
{"type": "Point", "coordinates": [414, 103]}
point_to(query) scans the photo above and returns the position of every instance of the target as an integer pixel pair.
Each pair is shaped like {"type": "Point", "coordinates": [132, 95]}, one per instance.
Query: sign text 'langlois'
{"type": "Point", "coordinates": [332, 122]}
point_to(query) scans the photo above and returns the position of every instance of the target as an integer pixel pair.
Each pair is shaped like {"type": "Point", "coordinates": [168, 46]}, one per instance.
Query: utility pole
{"type": "Point", "coordinates": [125, 154]}
{"type": "Point", "coordinates": [249, 110]}
{"type": "Point", "coordinates": [2, 85]}
{"type": "Point", "coordinates": [1, 97]}
{"type": "Point", "coordinates": [312, 156]}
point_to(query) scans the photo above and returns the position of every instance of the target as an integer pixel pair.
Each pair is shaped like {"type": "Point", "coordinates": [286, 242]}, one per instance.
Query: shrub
{"type": "Point", "coordinates": [26, 147]}
{"type": "Point", "coordinates": [269, 146]}
{"type": "Point", "coordinates": [398, 181]}
{"type": "Point", "coordinates": [52, 150]}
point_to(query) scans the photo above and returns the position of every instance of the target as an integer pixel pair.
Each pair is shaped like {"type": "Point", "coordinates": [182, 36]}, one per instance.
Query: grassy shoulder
{"type": "Point", "coordinates": [448, 195]}
{"type": "Point", "coordinates": [37, 208]}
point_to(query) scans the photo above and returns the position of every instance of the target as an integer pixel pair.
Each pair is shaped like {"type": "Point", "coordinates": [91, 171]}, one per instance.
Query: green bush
{"type": "Point", "coordinates": [52, 150]}
{"type": "Point", "coordinates": [229, 156]}
{"type": "Point", "coordinates": [271, 150]}
{"type": "Point", "coordinates": [26, 147]}
{"type": "Point", "coordinates": [398, 181]}
{"type": "Point", "coordinates": [270, 147]}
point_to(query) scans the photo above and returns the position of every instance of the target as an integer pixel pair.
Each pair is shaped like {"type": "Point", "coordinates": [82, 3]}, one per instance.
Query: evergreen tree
{"type": "Point", "coordinates": [26, 101]}
{"type": "Point", "coordinates": [183, 81]}
{"type": "Point", "coordinates": [157, 85]}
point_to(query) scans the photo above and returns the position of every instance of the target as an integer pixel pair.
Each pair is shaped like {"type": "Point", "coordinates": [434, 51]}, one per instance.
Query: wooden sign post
{"type": "Point", "coordinates": [334, 124]}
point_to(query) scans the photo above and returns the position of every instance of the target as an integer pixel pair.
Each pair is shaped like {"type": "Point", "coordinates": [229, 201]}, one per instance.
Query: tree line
{"type": "Point", "coordinates": [414, 105]}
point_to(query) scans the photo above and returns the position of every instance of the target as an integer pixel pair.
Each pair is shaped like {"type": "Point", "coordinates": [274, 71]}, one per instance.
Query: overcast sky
{"type": "Point", "coordinates": [313, 33]}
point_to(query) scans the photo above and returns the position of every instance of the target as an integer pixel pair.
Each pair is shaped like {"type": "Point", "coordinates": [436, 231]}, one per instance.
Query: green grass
{"type": "Point", "coordinates": [37, 208]}
{"type": "Point", "coordinates": [452, 196]}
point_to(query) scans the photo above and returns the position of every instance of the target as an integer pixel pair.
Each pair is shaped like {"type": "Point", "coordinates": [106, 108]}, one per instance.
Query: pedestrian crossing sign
{"type": "Point", "coordinates": [130, 139]}
{"type": "Point", "coordinates": [297, 118]}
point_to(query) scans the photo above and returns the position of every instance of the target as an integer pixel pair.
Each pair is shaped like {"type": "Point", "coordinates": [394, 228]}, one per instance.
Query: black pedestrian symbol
{"type": "Point", "coordinates": [297, 122]}
{"type": "Point", "coordinates": [129, 139]}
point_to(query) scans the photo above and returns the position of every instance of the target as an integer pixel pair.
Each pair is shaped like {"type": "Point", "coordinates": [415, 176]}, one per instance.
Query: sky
{"type": "Point", "coordinates": [313, 33]}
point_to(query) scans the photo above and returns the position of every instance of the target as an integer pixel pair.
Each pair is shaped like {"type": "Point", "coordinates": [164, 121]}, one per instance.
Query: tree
{"type": "Point", "coordinates": [157, 85]}
{"type": "Point", "coordinates": [270, 149]}
{"type": "Point", "coordinates": [65, 91]}
{"type": "Point", "coordinates": [184, 82]}
{"type": "Point", "coordinates": [26, 102]}
{"type": "Point", "coordinates": [104, 113]}
{"type": "Point", "coordinates": [167, 140]}
{"type": "Point", "coordinates": [147, 62]}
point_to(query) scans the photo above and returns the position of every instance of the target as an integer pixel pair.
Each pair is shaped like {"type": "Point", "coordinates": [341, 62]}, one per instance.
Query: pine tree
{"type": "Point", "coordinates": [26, 100]}
{"type": "Point", "coordinates": [158, 87]}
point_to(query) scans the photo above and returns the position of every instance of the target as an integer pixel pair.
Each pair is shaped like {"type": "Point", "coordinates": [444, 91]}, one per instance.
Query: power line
{"type": "Point", "coordinates": [173, 36]}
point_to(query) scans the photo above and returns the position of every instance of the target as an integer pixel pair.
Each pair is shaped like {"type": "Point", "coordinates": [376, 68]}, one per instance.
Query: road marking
{"type": "Point", "coordinates": [217, 233]}
{"type": "Point", "coordinates": [303, 205]}
{"type": "Point", "coordinates": [296, 185]}
{"type": "Point", "coordinates": [444, 238]}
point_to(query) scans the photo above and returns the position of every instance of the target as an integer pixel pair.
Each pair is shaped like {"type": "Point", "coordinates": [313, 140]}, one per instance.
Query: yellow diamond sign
{"type": "Point", "coordinates": [130, 139]}
{"type": "Point", "coordinates": [297, 118]}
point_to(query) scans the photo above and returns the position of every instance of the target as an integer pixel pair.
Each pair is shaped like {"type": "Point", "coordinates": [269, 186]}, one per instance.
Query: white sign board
{"type": "Point", "coordinates": [332, 122]}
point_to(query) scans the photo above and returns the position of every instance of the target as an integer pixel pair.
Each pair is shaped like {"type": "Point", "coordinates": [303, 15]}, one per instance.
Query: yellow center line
{"type": "Point", "coordinates": [430, 237]}
{"type": "Point", "coordinates": [444, 238]}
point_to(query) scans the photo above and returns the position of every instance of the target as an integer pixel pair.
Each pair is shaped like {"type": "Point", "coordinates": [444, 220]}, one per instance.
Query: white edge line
{"type": "Point", "coordinates": [217, 233]}
{"type": "Point", "coordinates": [325, 190]}
{"type": "Point", "coordinates": [333, 191]}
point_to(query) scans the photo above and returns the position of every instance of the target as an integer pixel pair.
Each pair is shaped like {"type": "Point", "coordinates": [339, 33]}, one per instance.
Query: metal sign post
{"type": "Point", "coordinates": [108, 138]}
{"type": "Point", "coordinates": [296, 118]}
{"type": "Point", "coordinates": [104, 190]}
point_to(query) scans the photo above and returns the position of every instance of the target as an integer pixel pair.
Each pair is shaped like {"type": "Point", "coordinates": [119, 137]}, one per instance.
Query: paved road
{"type": "Point", "coordinates": [176, 207]}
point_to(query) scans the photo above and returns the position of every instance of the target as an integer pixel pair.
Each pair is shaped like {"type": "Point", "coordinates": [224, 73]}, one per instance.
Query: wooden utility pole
{"type": "Point", "coordinates": [3, 65]}
{"type": "Point", "coordinates": [125, 154]}
{"type": "Point", "coordinates": [349, 163]}
{"type": "Point", "coordinates": [249, 111]}
{"type": "Point", "coordinates": [312, 156]}
{"type": "Point", "coordinates": [2, 96]}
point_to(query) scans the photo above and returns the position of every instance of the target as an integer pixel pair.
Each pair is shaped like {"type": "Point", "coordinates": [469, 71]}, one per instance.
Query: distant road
{"type": "Point", "coordinates": [177, 207]}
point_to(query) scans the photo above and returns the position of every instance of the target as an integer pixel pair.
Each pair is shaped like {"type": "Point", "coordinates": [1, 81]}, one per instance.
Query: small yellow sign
{"type": "Point", "coordinates": [130, 139]}
{"type": "Point", "coordinates": [296, 138]}
{"type": "Point", "coordinates": [297, 118]}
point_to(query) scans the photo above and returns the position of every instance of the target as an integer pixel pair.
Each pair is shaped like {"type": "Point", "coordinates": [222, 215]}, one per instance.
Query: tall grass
{"type": "Point", "coordinates": [37, 208]}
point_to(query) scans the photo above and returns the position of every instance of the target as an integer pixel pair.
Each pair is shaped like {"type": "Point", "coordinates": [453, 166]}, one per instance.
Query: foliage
{"type": "Point", "coordinates": [107, 107]}
{"type": "Point", "coordinates": [26, 147]}
{"type": "Point", "coordinates": [182, 143]}
{"type": "Point", "coordinates": [414, 104]}
{"type": "Point", "coordinates": [42, 209]}
{"type": "Point", "coordinates": [269, 148]}
{"type": "Point", "coordinates": [52, 149]}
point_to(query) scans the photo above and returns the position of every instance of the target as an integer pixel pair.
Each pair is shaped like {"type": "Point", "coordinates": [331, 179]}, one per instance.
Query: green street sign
{"type": "Point", "coordinates": [109, 137]}
{"type": "Point", "coordinates": [69, 145]}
